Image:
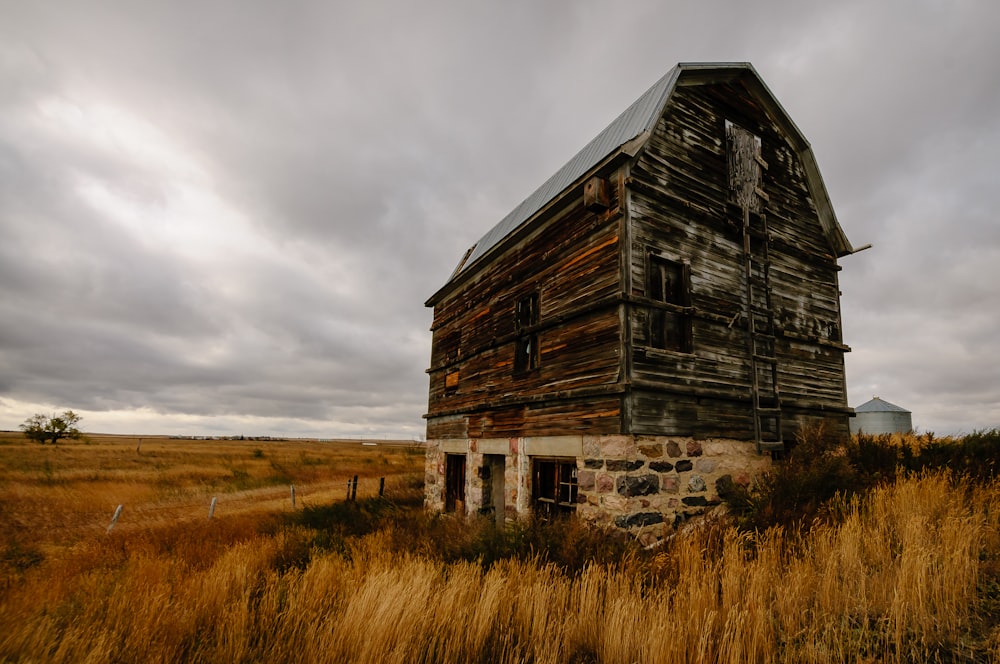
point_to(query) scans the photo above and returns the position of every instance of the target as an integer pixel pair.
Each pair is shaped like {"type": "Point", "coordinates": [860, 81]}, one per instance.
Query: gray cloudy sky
{"type": "Point", "coordinates": [224, 217]}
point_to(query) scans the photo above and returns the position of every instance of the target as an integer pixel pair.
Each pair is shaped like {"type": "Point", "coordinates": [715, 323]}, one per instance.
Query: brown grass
{"type": "Point", "coordinates": [905, 574]}
{"type": "Point", "coordinates": [54, 496]}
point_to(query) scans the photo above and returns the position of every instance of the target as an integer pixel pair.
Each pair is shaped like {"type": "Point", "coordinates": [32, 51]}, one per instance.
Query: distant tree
{"type": "Point", "coordinates": [42, 428]}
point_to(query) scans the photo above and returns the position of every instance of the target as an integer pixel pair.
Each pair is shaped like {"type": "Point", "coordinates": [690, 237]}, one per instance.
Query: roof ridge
{"type": "Point", "coordinates": [878, 404]}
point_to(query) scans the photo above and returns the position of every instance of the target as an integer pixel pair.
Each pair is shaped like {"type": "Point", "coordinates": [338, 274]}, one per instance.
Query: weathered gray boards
{"type": "Point", "coordinates": [667, 300]}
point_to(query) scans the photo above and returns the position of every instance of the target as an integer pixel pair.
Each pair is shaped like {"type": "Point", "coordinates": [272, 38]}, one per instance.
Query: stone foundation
{"type": "Point", "coordinates": [644, 484]}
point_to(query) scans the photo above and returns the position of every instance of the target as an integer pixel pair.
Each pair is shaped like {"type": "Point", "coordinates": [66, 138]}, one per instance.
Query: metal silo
{"type": "Point", "coordinates": [879, 416]}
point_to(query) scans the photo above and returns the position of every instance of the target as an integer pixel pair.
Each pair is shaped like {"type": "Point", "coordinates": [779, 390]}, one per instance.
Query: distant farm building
{"type": "Point", "coordinates": [878, 416]}
{"type": "Point", "coordinates": [651, 324]}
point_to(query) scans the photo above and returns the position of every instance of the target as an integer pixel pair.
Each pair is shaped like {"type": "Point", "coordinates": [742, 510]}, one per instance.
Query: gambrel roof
{"type": "Point", "coordinates": [628, 134]}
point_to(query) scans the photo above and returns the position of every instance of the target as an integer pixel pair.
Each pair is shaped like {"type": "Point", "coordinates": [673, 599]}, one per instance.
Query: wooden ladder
{"type": "Point", "coordinates": [760, 333]}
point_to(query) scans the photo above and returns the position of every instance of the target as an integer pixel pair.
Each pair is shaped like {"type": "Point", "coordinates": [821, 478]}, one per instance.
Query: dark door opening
{"type": "Point", "coordinates": [494, 467]}
{"type": "Point", "coordinates": [454, 486]}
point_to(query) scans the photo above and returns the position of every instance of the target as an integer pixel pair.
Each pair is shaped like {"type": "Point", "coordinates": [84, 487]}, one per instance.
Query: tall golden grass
{"type": "Point", "coordinates": [904, 574]}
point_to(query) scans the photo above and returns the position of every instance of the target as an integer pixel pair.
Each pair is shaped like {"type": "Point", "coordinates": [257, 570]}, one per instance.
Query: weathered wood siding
{"type": "Point", "coordinates": [680, 209]}
{"type": "Point", "coordinates": [574, 264]}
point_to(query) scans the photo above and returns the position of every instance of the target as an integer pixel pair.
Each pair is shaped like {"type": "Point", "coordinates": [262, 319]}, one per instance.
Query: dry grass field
{"type": "Point", "coordinates": [53, 497]}
{"type": "Point", "coordinates": [909, 571]}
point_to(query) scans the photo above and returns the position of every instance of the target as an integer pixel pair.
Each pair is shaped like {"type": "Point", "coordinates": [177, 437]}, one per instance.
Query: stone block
{"type": "Point", "coordinates": [642, 485]}
{"type": "Point", "coordinates": [668, 484]}
{"type": "Point", "coordinates": [695, 501]}
{"type": "Point", "coordinates": [455, 446]}
{"type": "Point", "coordinates": [605, 483]}
{"type": "Point", "coordinates": [638, 520]}
{"type": "Point", "coordinates": [661, 466]}
{"type": "Point", "coordinates": [728, 448]}
{"type": "Point", "coordinates": [651, 451]}
{"type": "Point", "coordinates": [618, 465]}
{"type": "Point", "coordinates": [617, 447]}
{"type": "Point", "coordinates": [706, 465]}
{"type": "Point", "coordinates": [614, 504]}
{"type": "Point", "coordinates": [696, 484]}
{"type": "Point", "coordinates": [493, 446]}
{"type": "Point", "coordinates": [725, 486]}
{"type": "Point", "coordinates": [567, 446]}
{"type": "Point", "coordinates": [595, 464]}
{"type": "Point", "coordinates": [684, 465]}
{"type": "Point", "coordinates": [586, 480]}
{"type": "Point", "coordinates": [673, 449]}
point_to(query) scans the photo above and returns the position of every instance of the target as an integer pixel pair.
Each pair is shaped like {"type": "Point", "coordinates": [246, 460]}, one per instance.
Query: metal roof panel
{"type": "Point", "coordinates": [877, 405]}
{"type": "Point", "coordinates": [636, 119]}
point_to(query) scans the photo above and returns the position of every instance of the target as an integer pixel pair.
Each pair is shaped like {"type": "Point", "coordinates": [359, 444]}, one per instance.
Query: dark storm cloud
{"type": "Point", "coordinates": [229, 214]}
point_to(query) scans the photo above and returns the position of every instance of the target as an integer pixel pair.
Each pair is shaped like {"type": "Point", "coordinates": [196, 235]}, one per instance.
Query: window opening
{"type": "Point", "coordinates": [451, 382]}
{"type": "Point", "coordinates": [669, 329]}
{"type": "Point", "coordinates": [554, 486]}
{"type": "Point", "coordinates": [526, 345]}
{"type": "Point", "coordinates": [454, 492]}
{"type": "Point", "coordinates": [745, 167]}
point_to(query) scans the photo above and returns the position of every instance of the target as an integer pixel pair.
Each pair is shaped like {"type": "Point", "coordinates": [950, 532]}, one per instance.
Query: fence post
{"type": "Point", "coordinates": [114, 519]}
{"type": "Point", "coordinates": [381, 486]}
{"type": "Point", "coordinates": [354, 490]}
{"type": "Point", "coordinates": [211, 508]}
{"type": "Point", "coordinates": [293, 496]}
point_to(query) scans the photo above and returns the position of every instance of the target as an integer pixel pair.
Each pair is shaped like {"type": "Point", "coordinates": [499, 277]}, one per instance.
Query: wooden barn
{"type": "Point", "coordinates": [651, 324]}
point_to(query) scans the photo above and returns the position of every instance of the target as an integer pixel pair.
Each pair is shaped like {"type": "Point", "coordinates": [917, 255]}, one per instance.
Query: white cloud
{"type": "Point", "coordinates": [234, 221]}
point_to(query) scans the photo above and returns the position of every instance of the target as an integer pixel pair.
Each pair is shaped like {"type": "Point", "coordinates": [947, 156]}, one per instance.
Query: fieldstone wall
{"type": "Point", "coordinates": [644, 484]}
{"type": "Point", "coordinates": [649, 485]}
{"type": "Point", "coordinates": [434, 476]}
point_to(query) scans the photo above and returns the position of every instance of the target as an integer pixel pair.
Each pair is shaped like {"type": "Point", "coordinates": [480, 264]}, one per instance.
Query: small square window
{"type": "Point", "coordinates": [554, 486]}
{"type": "Point", "coordinates": [451, 382]}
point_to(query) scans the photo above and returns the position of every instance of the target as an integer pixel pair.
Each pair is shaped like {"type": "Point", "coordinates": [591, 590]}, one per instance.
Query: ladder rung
{"type": "Point", "coordinates": [771, 445]}
{"type": "Point", "coordinates": [766, 262]}
{"type": "Point", "coordinates": [769, 411]}
{"type": "Point", "coordinates": [770, 359]}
